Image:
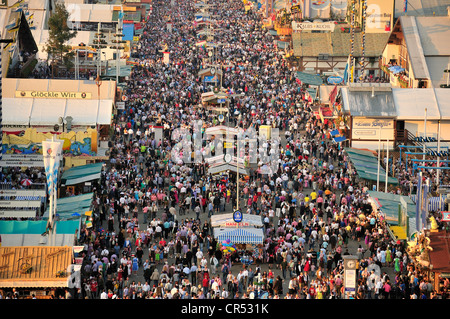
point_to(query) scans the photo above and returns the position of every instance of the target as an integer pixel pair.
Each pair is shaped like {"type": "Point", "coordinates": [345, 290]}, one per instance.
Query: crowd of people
{"type": "Point", "coordinates": [152, 237]}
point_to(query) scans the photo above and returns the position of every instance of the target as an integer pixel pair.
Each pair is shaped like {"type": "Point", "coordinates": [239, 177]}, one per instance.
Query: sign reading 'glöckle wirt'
{"type": "Point", "coordinates": [53, 95]}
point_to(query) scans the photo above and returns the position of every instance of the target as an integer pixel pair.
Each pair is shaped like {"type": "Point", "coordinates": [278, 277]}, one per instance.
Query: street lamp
{"type": "Point", "coordinates": [237, 169]}
{"type": "Point", "coordinates": [98, 82]}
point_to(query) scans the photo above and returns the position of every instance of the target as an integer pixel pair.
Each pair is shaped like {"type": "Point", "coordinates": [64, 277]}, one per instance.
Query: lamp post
{"type": "Point", "coordinates": [387, 167]}
{"type": "Point", "coordinates": [237, 169]}
{"type": "Point", "coordinates": [98, 82]}
{"type": "Point", "coordinates": [378, 166]}
{"type": "Point", "coordinates": [237, 175]}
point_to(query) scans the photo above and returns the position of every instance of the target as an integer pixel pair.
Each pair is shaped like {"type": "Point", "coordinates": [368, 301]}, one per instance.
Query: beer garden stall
{"type": "Point", "coordinates": [247, 236]}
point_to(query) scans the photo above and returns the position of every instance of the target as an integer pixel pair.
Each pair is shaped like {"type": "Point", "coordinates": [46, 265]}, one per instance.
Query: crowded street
{"type": "Point", "coordinates": [152, 237]}
{"type": "Point", "coordinates": [220, 176]}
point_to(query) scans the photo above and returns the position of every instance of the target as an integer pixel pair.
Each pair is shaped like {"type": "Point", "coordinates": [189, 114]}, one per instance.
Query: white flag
{"type": "Point", "coordinates": [50, 150]}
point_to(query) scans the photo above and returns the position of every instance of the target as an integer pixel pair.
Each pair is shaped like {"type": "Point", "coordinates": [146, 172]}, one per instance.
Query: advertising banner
{"type": "Point", "coordinates": [379, 16]}
{"type": "Point", "coordinates": [52, 152]}
{"type": "Point", "coordinates": [312, 26]}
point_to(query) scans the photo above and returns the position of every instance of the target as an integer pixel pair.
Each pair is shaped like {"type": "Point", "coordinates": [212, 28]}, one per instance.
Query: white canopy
{"type": "Point", "coordinates": [18, 112]}
{"type": "Point", "coordinates": [410, 104]}
{"type": "Point", "coordinates": [37, 111]}
{"type": "Point", "coordinates": [46, 111]}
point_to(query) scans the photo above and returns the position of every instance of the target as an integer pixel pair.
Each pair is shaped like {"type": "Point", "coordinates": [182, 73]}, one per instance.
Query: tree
{"type": "Point", "coordinates": [59, 34]}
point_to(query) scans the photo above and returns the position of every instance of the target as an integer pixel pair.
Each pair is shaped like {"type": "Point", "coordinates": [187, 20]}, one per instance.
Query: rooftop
{"type": "Point", "coordinates": [337, 43]}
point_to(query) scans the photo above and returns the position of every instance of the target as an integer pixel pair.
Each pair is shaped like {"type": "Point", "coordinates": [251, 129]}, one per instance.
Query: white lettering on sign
{"type": "Point", "coordinates": [309, 26]}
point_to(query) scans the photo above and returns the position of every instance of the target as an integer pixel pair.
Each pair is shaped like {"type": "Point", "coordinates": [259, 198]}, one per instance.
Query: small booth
{"type": "Point", "coordinates": [80, 179]}
{"type": "Point", "coordinates": [243, 240]}
{"type": "Point", "coordinates": [429, 251]}
{"type": "Point", "coordinates": [210, 76]}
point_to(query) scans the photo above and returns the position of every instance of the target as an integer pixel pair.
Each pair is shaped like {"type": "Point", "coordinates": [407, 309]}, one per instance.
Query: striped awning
{"type": "Point", "coordinates": [435, 204]}
{"type": "Point", "coordinates": [240, 235]}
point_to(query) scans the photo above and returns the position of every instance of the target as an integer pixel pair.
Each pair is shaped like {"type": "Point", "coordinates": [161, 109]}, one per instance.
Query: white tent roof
{"type": "Point", "coordinates": [19, 111]}
{"type": "Point", "coordinates": [37, 4]}
{"type": "Point", "coordinates": [47, 111]}
{"type": "Point", "coordinates": [410, 104]}
{"type": "Point", "coordinates": [105, 112]}
{"type": "Point", "coordinates": [102, 15]}
{"type": "Point", "coordinates": [83, 112]}
{"type": "Point", "coordinates": [443, 97]}
{"type": "Point", "coordinates": [29, 111]}
{"type": "Point", "coordinates": [90, 12]}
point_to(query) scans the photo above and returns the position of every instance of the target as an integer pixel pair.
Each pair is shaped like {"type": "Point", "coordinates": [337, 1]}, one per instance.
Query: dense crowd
{"type": "Point", "coordinates": [313, 207]}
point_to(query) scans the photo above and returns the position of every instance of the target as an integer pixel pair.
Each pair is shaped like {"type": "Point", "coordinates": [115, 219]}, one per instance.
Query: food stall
{"type": "Point", "coordinates": [243, 241]}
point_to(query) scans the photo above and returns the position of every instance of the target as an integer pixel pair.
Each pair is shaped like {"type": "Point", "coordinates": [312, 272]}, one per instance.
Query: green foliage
{"type": "Point", "coordinates": [59, 34]}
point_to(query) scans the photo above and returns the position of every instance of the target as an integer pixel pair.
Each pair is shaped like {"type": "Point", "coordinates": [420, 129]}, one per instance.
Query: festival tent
{"type": "Point", "coordinates": [36, 267]}
{"type": "Point", "coordinates": [240, 235]}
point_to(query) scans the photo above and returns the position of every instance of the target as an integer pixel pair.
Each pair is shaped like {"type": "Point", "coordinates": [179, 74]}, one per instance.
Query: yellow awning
{"type": "Point", "coordinates": [399, 231]}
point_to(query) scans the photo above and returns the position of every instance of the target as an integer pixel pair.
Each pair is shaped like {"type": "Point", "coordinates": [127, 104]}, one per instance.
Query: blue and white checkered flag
{"type": "Point", "coordinates": [52, 155]}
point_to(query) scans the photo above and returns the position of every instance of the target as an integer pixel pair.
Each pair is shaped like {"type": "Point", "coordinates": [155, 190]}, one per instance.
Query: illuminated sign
{"type": "Point", "coordinates": [54, 95]}
{"type": "Point", "coordinates": [231, 224]}
{"type": "Point", "coordinates": [445, 216]}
